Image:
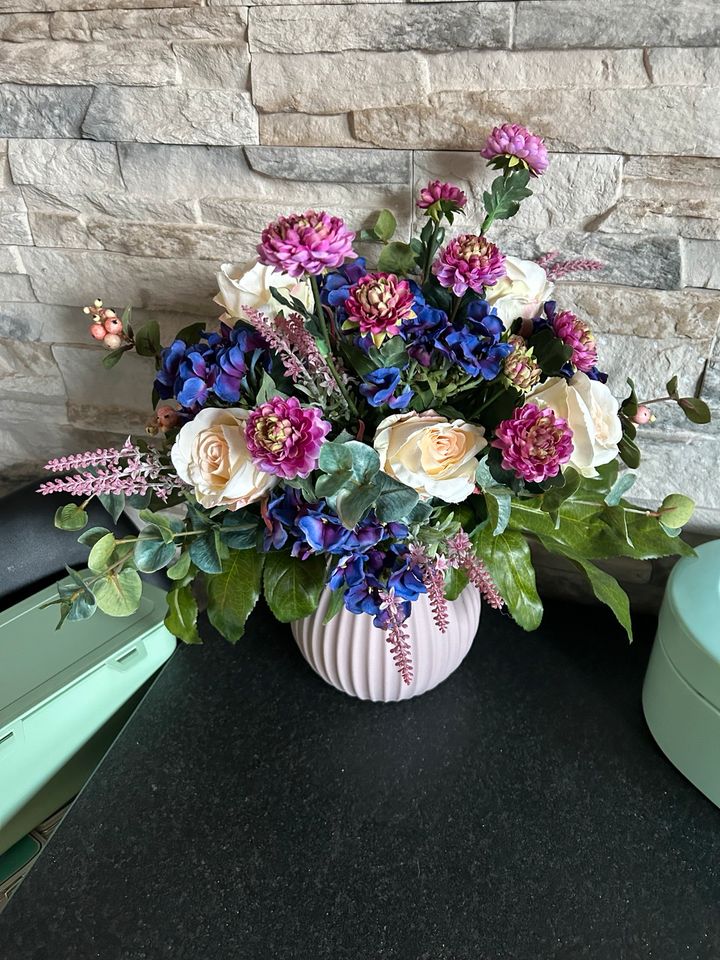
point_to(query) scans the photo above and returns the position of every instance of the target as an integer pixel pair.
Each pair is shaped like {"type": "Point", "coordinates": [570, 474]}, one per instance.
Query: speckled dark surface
{"type": "Point", "coordinates": [521, 811]}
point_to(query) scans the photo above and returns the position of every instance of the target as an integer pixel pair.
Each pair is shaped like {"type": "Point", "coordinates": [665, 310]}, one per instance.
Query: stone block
{"type": "Point", "coordinates": [124, 206]}
{"type": "Point", "coordinates": [186, 171]}
{"type": "Point", "coordinates": [15, 286]}
{"type": "Point", "coordinates": [19, 27]}
{"type": "Point", "coordinates": [10, 261]}
{"type": "Point", "coordinates": [633, 259]}
{"type": "Point", "coordinates": [216, 65]}
{"type": "Point", "coordinates": [379, 27]}
{"type": "Point", "coordinates": [163, 23]}
{"type": "Point", "coordinates": [13, 217]}
{"type": "Point", "coordinates": [49, 6]}
{"type": "Point", "coordinates": [672, 179]}
{"type": "Point", "coordinates": [29, 372]}
{"type": "Point", "coordinates": [575, 189]}
{"type": "Point", "coordinates": [616, 23]}
{"type": "Point", "coordinates": [58, 61]}
{"type": "Point", "coordinates": [65, 165]}
{"type": "Point", "coordinates": [27, 444]}
{"type": "Point", "coordinates": [77, 277]}
{"type": "Point", "coordinates": [701, 263]}
{"type": "Point", "coordinates": [42, 111]}
{"type": "Point", "coordinates": [306, 130]}
{"type": "Point", "coordinates": [53, 228]}
{"type": "Point", "coordinates": [635, 311]}
{"type": "Point", "coordinates": [173, 241]}
{"type": "Point", "coordinates": [651, 363]}
{"type": "Point", "coordinates": [5, 178]}
{"type": "Point", "coordinates": [337, 82]}
{"type": "Point", "coordinates": [658, 120]}
{"type": "Point", "coordinates": [669, 67]}
{"type": "Point", "coordinates": [679, 462]}
{"type": "Point", "coordinates": [152, 115]}
{"type": "Point", "coordinates": [696, 219]}
{"type": "Point", "coordinates": [329, 164]}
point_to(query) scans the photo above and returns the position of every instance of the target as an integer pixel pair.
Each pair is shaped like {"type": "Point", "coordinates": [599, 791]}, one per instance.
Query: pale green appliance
{"type": "Point", "coordinates": [681, 695]}
{"type": "Point", "coordinates": [62, 693]}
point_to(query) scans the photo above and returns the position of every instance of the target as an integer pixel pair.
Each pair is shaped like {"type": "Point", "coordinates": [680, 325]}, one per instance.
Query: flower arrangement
{"type": "Point", "coordinates": [378, 432]}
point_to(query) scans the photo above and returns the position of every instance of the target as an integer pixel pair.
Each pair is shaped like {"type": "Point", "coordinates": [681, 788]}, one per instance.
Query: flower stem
{"type": "Point", "coordinates": [320, 313]}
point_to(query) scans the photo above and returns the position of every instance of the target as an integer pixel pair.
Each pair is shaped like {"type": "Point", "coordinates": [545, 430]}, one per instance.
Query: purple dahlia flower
{"type": "Point", "coordinates": [307, 242]}
{"type": "Point", "coordinates": [377, 304]}
{"type": "Point", "coordinates": [471, 262]}
{"type": "Point", "coordinates": [437, 191]}
{"type": "Point", "coordinates": [513, 140]}
{"type": "Point", "coordinates": [534, 443]}
{"type": "Point", "coordinates": [284, 438]}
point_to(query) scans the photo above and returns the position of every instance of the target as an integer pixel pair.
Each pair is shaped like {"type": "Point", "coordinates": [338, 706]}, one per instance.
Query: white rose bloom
{"type": "Point", "coordinates": [245, 285]}
{"type": "Point", "coordinates": [211, 454]}
{"type": "Point", "coordinates": [591, 412]}
{"type": "Point", "coordinates": [434, 456]}
{"type": "Point", "coordinates": [521, 292]}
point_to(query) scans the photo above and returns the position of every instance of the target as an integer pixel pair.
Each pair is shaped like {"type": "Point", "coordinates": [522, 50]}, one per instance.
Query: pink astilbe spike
{"type": "Point", "coordinates": [397, 635]}
{"type": "Point", "coordinates": [298, 350]}
{"type": "Point", "coordinates": [105, 473]}
{"type": "Point", "coordinates": [433, 575]}
{"type": "Point", "coordinates": [559, 269]}
{"type": "Point", "coordinates": [462, 557]}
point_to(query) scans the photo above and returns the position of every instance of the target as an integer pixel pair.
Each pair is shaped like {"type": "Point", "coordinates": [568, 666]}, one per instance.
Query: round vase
{"type": "Point", "coordinates": [353, 655]}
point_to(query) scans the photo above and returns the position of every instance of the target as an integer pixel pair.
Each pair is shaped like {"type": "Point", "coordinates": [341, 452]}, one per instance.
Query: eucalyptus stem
{"type": "Point", "coordinates": [320, 313]}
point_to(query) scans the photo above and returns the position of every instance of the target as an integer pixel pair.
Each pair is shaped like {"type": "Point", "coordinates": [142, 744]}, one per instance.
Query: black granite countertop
{"type": "Point", "coordinates": [521, 811]}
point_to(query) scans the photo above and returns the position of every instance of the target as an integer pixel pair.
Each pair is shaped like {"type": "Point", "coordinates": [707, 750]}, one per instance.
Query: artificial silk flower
{"type": "Point", "coordinates": [521, 292]}
{"type": "Point", "coordinates": [244, 285]}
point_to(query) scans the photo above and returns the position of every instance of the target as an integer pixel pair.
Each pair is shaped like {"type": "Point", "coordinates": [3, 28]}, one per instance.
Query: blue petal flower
{"type": "Point", "coordinates": [380, 386]}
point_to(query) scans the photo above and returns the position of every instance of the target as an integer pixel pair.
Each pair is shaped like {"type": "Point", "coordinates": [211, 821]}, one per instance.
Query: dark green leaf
{"type": "Point", "coordinates": [90, 537]}
{"type": "Point", "coordinates": [507, 557]}
{"type": "Point", "coordinates": [233, 593]}
{"type": "Point", "coordinates": [114, 503]}
{"type": "Point", "coordinates": [70, 517]}
{"type": "Point", "coordinates": [293, 587]}
{"type": "Point", "coordinates": [147, 339]}
{"type": "Point", "coordinates": [182, 612]}
{"type": "Point", "coordinates": [672, 388]}
{"type": "Point", "coordinates": [455, 583]}
{"type": "Point", "coordinates": [395, 501]}
{"type": "Point", "coordinates": [558, 495]}
{"type": "Point", "coordinates": [110, 359]}
{"type": "Point", "coordinates": [608, 591]}
{"type": "Point", "coordinates": [335, 604]}
{"type": "Point", "coordinates": [152, 551]}
{"type": "Point", "coordinates": [696, 410]}
{"type": "Point", "coordinates": [396, 257]}
{"type": "Point", "coordinates": [629, 452]}
{"type": "Point", "coordinates": [191, 333]}
{"type": "Point", "coordinates": [204, 552]}
{"type": "Point", "coordinates": [239, 532]}
{"type": "Point", "coordinates": [503, 199]}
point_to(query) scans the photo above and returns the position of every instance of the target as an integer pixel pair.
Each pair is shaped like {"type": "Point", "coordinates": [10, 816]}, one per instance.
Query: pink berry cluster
{"type": "Point", "coordinates": [107, 326]}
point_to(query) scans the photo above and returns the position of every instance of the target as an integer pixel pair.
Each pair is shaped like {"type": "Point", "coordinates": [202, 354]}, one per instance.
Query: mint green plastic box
{"type": "Point", "coordinates": [681, 694]}
{"type": "Point", "coordinates": [60, 696]}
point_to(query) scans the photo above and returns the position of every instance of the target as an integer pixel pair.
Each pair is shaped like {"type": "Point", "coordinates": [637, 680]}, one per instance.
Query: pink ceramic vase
{"type": "Point", "coordinates": [353, 655]}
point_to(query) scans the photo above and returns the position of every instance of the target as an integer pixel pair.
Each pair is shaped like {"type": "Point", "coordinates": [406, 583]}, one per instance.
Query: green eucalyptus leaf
{"type": "Point", "coordinates": [152, 551]}
{"type": "Point", "coordinates": [70, 517]}
{"type": "Point", "coordinates": [329, 484]}
{"type": "Point", "coordinates": [81, 608]}
{"type": "Point", "coordinates": [180, 569]}
{"type": "Point", "coordinates": [396, 257]}
{"type": "Point", "coordinates": [118, 594]}
{"type": "Point", "coordinates": [182, 613]}
{"type": "Point", "coordinates": [352, 503]}
{"type": "Point", "coordinates": [100, 556]}
{"type": "Point", "coordinates": [166, 524]}
{"type": "Point", "coordinates": [240, 532]}
{"type": "Point", "coordinates": [619, 489]}
{"type": "Point", "coordinates": [507, 557]}
{"type": "Point", "coordinates": [292, 586]}
{"type": "Point", "coordinates": [420, 512]}
{"type": "Point", "coordinates": [335, 457]}
{"type": "Point", "coordinates": [90, 537]}
{"type": "Point", "coordinates": [114, 504]}
{"type": "Point", "coordinates": [234, 591]}
{"type": "Point", "coordinates": [385, 226]}
{"type": "Point", "coordinates": [204, 552]}
{"type": "Point", "coordinates": [267, 389]}
{"type": "Point", "coordinates": [394, 500]}
{"type": "Point", "coordinates": [676, 510]}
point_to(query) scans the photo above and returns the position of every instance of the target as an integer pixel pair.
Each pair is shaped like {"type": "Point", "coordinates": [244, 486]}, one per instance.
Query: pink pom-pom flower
{"type": "Point", "coordinates": [306, 243]}
{"type": "Point", "coordinates": [469, 261]}
{"type": "Point", "coordinates": [437, 190]}
{"type": "Point", "coordinates": [284, 438]}
{"type": "Point", "coordinates": [577, 335]}
{"type": "Point", "coordinates": [534, 442]}
{"type": "Point", "coordinates": [512, 140]}
{"type": "Point", "coordinates": [377, 304]}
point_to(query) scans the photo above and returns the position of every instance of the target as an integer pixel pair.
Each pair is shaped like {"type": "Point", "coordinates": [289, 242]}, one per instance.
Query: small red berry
{"type": "Point", "coordinates": [643, 415]}
{"type": "Point", "coordinates": [112, 341]}
{"type": "Point", "coordinates": [98, 331]}
{"type": "Point", "coordinates": [167, 417]}
{"type": "Point", "coordinates": [113, 324]}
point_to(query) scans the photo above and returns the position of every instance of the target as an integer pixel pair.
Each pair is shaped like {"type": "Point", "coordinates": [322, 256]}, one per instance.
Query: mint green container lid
{"type": "Point", "coordinates": [681, 693]}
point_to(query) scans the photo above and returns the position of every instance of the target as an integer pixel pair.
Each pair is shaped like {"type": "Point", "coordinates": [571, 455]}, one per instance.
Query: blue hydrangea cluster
{"type": "Point", "coordinates": [471, 342]}
{"type": "Point", "coordinates": [219, 364]}
{"type": "Point", "coordinates": [370, 560]}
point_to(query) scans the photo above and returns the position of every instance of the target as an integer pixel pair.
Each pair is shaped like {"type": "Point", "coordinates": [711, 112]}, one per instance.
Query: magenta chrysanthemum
{"type": "Point", "coordinates": [377, 304]}
{"type": "Point", "coordinates": [576, 334]}
{"type": "Point", "coordinates": [513, 140]}
{"type": "Point", "coordinates": [437, 190]}
{"type": "Point", "coordinates": [469, 261]}
{"type": "Point", "coordinates": [284, 438]}
{"type": "Point", "coordinates": [307, 242]}
{"type": "Point", "coordinates": [534, 442]}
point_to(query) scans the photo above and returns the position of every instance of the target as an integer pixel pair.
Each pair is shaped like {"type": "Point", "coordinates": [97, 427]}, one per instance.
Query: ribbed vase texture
{"type": "Point", "coordinates": [354, 656]}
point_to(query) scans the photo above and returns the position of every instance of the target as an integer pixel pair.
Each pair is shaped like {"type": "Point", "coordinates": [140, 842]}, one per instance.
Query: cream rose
{"type": "Point", "coordinates": [434, 456]}
{"type": "Point", "coordinates": [245, 285]}
{"type": "Point", "coordinates": [211, 454]}
{"type": "Point", "coordinates": [591, 412]}
{"type": "Point", "coordinates": [521, 292]}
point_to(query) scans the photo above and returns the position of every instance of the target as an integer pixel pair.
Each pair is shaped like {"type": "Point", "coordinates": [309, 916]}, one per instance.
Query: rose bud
{"type": "Point", "coordinates": [98, 331]}
{"type": "Point", "coordinates": [643, 415]}
{"type": "Point", "coordinates": [113, 324]}
{"type": "Point", "coordinates": [167, 417]}
{"type": "Point", "coordinates": [112, 341]}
